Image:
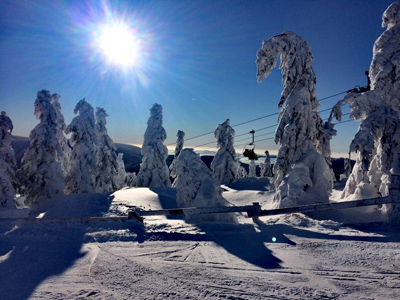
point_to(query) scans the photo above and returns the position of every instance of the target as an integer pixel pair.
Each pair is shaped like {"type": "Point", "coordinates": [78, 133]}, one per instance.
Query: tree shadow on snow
{"type": "Point", "coordinates": [33, 251]}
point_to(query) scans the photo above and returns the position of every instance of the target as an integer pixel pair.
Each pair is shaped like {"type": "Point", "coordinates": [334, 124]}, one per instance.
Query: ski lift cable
{"type": "Point", "coordinates": [256, 119]}
{"type": "Point", "coordinates": [209, 143]}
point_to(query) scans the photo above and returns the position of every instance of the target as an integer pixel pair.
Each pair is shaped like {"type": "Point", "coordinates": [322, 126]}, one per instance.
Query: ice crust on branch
{"type": "Point", "coordinates": [154, 171]}
{"type": "Point", "coordinates": [225, 166]}
{"type": "Point", "coordinates": [8, 180]}
{"type": "Point", "coordinates": [300, 128]}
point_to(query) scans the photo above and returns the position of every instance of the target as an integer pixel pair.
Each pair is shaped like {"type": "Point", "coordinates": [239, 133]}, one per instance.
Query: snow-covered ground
{"type": "Point", "coordinates": [282, 257]}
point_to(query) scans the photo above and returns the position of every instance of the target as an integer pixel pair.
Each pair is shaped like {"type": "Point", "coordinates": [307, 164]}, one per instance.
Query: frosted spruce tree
{"type": "Point", "coordinates": [107, 179]}
{"type": "Point", "coordinates": [196, 187]}
{"type": "Point", "coordinates": [179, 146]}
{"type": "Point", "coordinates": [81, 177]}
{"type": "Point", "coordinates": [124, 179]}
{"type": "Point", "coordinates": [7, 162]}
{"type": "Point", "coordinates": [41, 173]}
{"type": "Point", "coordinates": [153, 169]}
{"type": "Point", "coordinates": [301, 173]}
{"type": "Point", "coordinates": [378, 138]}
{"type": "Point", "coordinates": [252, 169]}
{"type": "Point", "coordinates": [224, 165]}
{"type": "Point", "coordinates": [62, 140]}
{"type": "Point", "coordinates": [266, 166]}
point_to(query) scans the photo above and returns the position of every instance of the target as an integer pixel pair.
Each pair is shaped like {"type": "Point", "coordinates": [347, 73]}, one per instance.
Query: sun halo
{"type": "Point", "coordinates": [119, 45]}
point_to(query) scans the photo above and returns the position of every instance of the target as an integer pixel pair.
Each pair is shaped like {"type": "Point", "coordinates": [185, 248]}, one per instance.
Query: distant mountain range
{"type": "Point", "coordinates": [133, 157]}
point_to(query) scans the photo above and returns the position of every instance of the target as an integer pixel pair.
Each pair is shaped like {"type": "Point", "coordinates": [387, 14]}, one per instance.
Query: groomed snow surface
{"type": "Point", "coordinates": [283, 257]}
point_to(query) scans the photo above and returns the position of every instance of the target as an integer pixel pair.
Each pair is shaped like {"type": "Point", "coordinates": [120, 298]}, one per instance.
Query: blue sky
{"type": "Point", "coordinates": [196, 58]}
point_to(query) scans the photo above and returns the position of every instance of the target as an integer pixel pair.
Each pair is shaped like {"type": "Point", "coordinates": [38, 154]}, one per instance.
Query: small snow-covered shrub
{"type": "Point", "coordinates": [196, 187]}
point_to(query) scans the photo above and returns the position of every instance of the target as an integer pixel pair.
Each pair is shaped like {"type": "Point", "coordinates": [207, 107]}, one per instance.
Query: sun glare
{"type": "Point", "coordinates": [119, 45]}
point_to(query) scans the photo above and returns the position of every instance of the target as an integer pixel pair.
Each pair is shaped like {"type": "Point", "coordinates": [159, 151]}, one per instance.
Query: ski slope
{"type": "Point", "coordinates": [282, 257]}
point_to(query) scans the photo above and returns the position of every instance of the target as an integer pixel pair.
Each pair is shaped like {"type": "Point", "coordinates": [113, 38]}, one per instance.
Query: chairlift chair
{"type": "Point", "coordinates": [248, 150]}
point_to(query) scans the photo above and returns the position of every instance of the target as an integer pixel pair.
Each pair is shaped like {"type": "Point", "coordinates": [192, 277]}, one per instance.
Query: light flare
{"type": "Point", "coordinates": [119, 45]}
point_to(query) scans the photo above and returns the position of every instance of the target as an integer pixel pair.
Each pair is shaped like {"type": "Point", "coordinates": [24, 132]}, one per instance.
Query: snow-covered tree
{"type": "Point", "coordinates": [347, 167]}
{"type": "Point", "coordinates": [107, 179]}
{"type": "Point", "coordinates": [299, 127]}
{"type": "Point", "coordinates": [242, 173]}
{"type": "Point", "coordinates": [224, 165]}
{"type": "Point", "coordinates": [252, 169]}
{"type": "Point", "coordinates": [154, 171]}
{"type": "Point", "coordinates": [377, 141]}
{"type": "Point", "coordinates": [196, 186]}
{"type": "Point", "coordinates": [384, 71]}
{"type": "Point", "coordinates": [123, 178]}
{"type": "Point", "coordinates": [266, 166]}
{"type": "Point", "coordinates": [62, 140]}
{"type": "Point", "coordinates": [179, 146]}
{"type": "Point", "coordinates": [41, 173]}
{"type": "Point", "coordinates": [378, 138]}
{"type": "Point", "coordinates": [83, 165]}
{"type": "Point", "coordinates": [7, 161]}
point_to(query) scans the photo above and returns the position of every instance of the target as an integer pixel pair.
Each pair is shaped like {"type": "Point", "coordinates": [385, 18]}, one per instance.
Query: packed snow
{"type": "Point", "coordinates": [284, 257]}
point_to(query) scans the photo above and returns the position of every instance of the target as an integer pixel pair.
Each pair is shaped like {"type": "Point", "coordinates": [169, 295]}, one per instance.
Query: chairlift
{"type": "Point", "coordinates": [363, 89]}
{"type": "Point", "coordinates": [248, 150]}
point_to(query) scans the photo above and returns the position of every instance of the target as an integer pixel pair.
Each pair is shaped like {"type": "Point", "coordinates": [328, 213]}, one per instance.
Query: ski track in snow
{"type": "Point", "coordinates": [169, 258]}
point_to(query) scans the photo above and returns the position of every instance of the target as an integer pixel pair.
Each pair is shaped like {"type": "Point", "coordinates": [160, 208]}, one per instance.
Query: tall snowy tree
{"type": "Point", "coordinates": [7, 162]}
{"type": "Point", "coordinates": [225, 165]}
{"type": "Point", "coordinates": [378, 138]}
{"type": "Point", "coordinates": [62, 140]}
{"type": "Point", "coordinates": [179, 146]}
{"type": "Point", "coordinates": [299, 127]}
{"type": "Point", "coordinates": [107, 158]}
{"type": "Point", "coordinates": [154, 171]}
{"type": "Point", "coordinates": [196, 186]}
{"type": "Point", "coordinates": [266, 166]}
{"type": "Point", "coordinates": [83, 168]}
{"type": "Point", "coordinates": [41, 173]}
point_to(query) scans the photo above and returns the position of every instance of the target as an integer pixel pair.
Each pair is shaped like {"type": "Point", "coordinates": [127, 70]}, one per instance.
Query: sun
{"type": "Point", "coordinates": [119, 45]}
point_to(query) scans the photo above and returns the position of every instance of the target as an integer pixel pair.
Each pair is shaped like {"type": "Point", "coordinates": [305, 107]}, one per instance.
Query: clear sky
{"type": "Point", "coordinates": [195, 58]}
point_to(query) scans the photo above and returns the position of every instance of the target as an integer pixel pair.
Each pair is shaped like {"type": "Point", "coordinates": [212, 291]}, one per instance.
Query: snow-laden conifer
{"type": "Point", "coordinates": [252, 169]}
{"type": "Point", "coordinates": [225, 165]}
{"type": "Point", "coordinates": [377, 142]}
{"type": "Point", "coordinates": [178, 148]}
{"type": "Point", "coordinates": [154, 171]}
{"type": "Point", "coordinates": [83, 168]}
{"type": "Point", "coordinates": [196, 186]}
{"type": "Point", "coordinates": [299, 127]}
{"type": "Point", "coordinates": [266, 166]}
{"type": "Point", "coordinates": [378, 138]}
{"type": "Point", "coordinates": [384, 71]}
{"type": "Point", "coordinates": [107, 179]}
{"type": "Point", "coordinates": [242, 173]}
{"type": "Point", "coordinates": [7, 162]}
{"type": "Point", "coordinates": [41, 173]}
{"type": "Point", "coordinates": [62, 140]}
